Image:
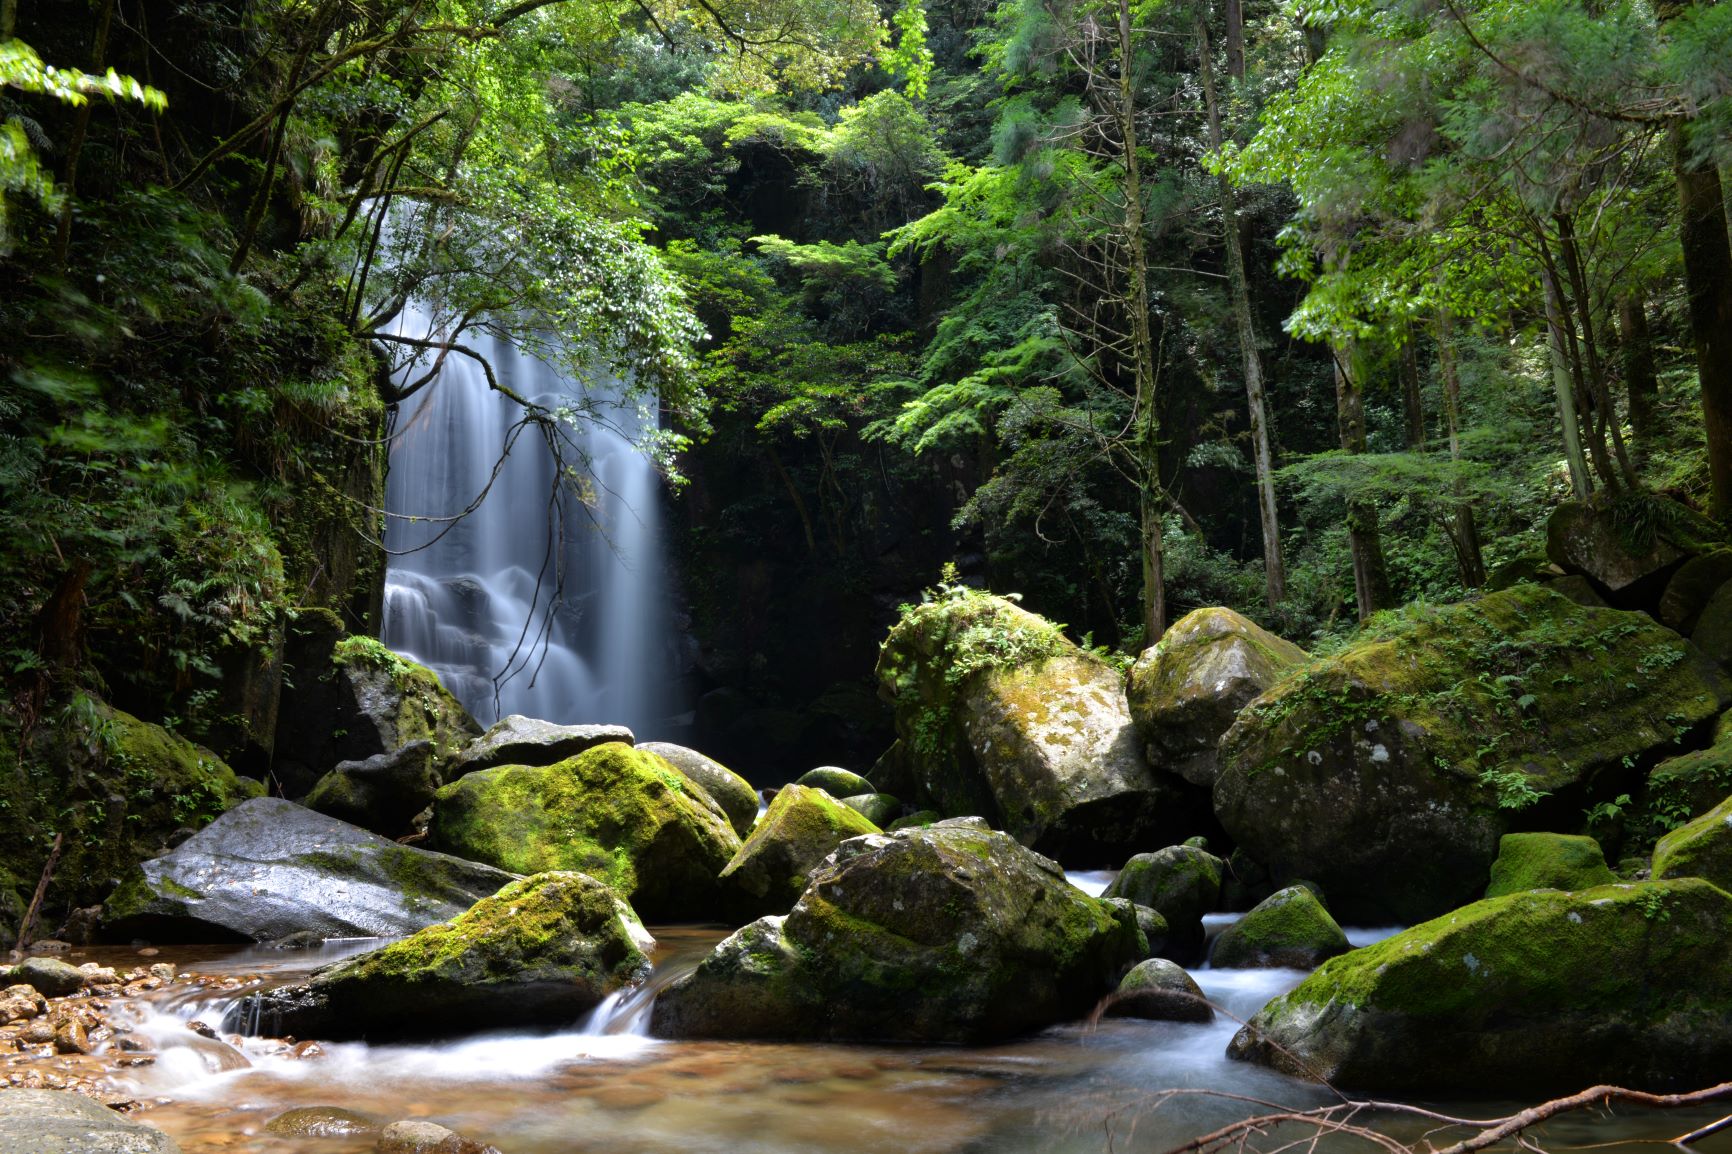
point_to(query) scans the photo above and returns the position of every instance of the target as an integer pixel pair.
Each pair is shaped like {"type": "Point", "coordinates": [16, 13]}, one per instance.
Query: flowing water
{"type": "Point", "coordinates": [550, 599]}
{"type": "Point", "coordinates": [603, 1086]}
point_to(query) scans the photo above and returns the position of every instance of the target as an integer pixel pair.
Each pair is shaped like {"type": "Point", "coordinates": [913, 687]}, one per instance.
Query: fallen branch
{"type": "Point", "coordinates": [35, 908]}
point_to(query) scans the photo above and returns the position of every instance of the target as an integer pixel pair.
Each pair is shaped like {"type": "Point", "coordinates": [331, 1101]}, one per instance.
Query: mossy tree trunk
{"type": "Point", "coordinates": [1708, 283]}
{"type": "Point", "coordinates": [1639, 377]}
{"type": "Point", "coordinates": [1461, 525]}
{"type": "Point", "coordinates": [1371, 586]}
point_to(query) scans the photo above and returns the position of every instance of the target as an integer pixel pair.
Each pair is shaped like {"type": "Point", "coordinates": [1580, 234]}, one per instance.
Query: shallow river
{"type": "Point", "coordinates": [602, 1086]}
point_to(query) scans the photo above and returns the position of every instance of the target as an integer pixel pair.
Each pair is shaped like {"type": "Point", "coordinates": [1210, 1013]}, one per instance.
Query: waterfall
{"type": "Point", "coordinates": [483, 603]}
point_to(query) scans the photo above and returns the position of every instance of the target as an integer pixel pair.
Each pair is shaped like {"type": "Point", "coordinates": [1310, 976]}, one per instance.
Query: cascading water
{"type": "Point", "coordinates": [543, 601]}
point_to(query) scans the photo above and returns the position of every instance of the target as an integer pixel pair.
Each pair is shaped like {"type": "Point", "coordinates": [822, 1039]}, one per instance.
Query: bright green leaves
{"type": "Point", "coordinates": [910, 61]}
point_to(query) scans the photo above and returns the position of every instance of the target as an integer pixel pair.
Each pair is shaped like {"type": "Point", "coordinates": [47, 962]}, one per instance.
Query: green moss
{"type": "Point", "coordinates": [1685, 787]}
{"type": "Point", "coordinates": [1532, 861]}
{"type": "Point", "coordinates": [1702, 848]}
{"type": "Point", "coordinates": [617, 813]}
{"type": "Point", "coordinates": [1288, 928]}
{"type": "Point", "coordinates": [799, 830]}
{"type": "Point", "coordinates": [919, 820]}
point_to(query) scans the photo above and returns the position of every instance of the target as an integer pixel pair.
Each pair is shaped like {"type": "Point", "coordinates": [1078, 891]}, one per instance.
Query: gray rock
{"type": "Point", "coordinates": [269, 868]}
{"type": "Point", "coordinates": [382, 793]}
{"type": "Point", "coordinates": [1161, 990]}
{"type": "Point", "coordinates": [1181, 883]}
{"type": "Point", "coordinates": [1185, 691]}
{"type": "Point", "coordinates": [933, 935]}
{"type": "Point", "coordinates": [520, 740]}
{"type": "Point", "coordinates": [1584, 538]}
{"type": "Point", "coordinates": [321, 1122]}
{"type": "Point", "coordinates": [1713, 632]}
{"type": "Point", "coordinates": [62, 1122]}
{"type": "Point", "coordinates": [731, 791]}
{"type": "Point", "coordinates": [416, 1136]}
{"type": "Point", "coordinates": [1688, 591]}
{"type": "Point", "coordinates": [1578, 589]}
{"type": "Point", "coordinates": [51, 977]}
{"type": "Point", "coordinates": [878, 808]}
{"type": "Point", "coordinates": [802, 827]}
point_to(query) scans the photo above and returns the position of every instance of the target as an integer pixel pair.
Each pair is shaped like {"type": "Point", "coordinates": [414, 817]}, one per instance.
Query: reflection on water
{"type": "Point", "coordinates": [601, 1085]}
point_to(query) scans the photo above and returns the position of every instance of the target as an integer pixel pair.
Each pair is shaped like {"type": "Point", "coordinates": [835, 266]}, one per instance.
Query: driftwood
{"type": "Point", "coordinates": [29, 918]}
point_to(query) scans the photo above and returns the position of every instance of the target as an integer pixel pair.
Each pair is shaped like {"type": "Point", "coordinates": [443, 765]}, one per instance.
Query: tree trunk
{"type": "Point", "coordinates": [1371, 587]}
{"type": "Point", "coordinates": [1708, 283]}
{"type": "Point", "coordinates": [1608, 416]}
{"type": "Point", "coordinates": [1412, 400]}
{"type": "Point", "coordinates": [1147, 449]}
{"type": "Point", "coordinates": [1245, 324]}
{"type": "Point", "coordinates": [1235, 13]}
{"type": "Point", "coordinates": [75, 144]}
{"type": "Point", "coordinates": [60, 621]}
{"type": "Point", "coordinates": [1639, 376]}
{"type": "Point", "coordinates": [1462, 526]}
{"type": "Point", "coordinates": [1581, 484]}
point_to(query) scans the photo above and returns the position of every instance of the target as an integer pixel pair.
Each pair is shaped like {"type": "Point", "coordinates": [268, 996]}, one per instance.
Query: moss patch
{"type": "Point", "coordinates": [1536, 861]}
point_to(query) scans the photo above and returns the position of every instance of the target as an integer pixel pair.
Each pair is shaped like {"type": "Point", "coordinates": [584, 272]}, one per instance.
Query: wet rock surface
{"type": "Point", "coordinates": [802, 827]}
{"type": "Point", "coordinates": [731, 791]}
{"type": "Point", "coordinates": [382, 793]}
{"type": "Point", "coordinates": [1289, 928]}
{"type": "Point", "coordinates": [269, 869]}
{"type": "Point", "coordinates": [1160, 990]}
{"type": "Point", "coordinates": [63, 1122]}
{"type": "Point", "coordinates": [520, 740]}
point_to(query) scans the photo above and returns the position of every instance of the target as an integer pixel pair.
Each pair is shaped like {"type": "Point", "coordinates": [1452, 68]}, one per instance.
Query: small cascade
{"type": "Point", "coordinates": [550, 598]}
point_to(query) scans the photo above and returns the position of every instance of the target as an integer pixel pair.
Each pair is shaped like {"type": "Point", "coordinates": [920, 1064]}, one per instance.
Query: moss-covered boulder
{"type": "Point", "coordinates": [120, 789]}
{"type": "Point", "coordinates": [1388, 772]}
{"type": "Point", "coordinates": [269, 869]}
{"type": "Point", "coordinates": [1185, 691]}
{"type": "Point", "coordinates": [382, 793]}
{"type": "Point", "coordinates": [1547, 861]}
{"type": "Point", "coordinates": [1630, 547]}
{"type": "Point", "coordinates": [1527, 994]}
{"type": "Point", "coordinates": [351, 698]}
{"type": "Point", "coordinates": [1691, 587]}
{"type": "Point", "coordinates": [1289, 928]}
{"type": "Point", "coordinates": [835, 781]}
{"type": "Point", "coordinates": [614, 812]}
{"type": "Point", "coordinates": [520, 740]}
{"type": "Point", "coordinates": [731, 791]}
{"type": "Point", "coordinates": [1181, 883]}
{"type": "Point", "coordinates": [1713, 631]}
{"type": "Point", "coordinates": [1160, 990]}
{"type": "Point", "coordinates": [1689, 785]}
{"type": "Point", "coordinates": [878, 808]}
{"type": "Point", "coordinates": [936, 935]}
{"type": "Point", "coordinates": [1003, 717]}
{"type": "Point", "coordinates": [541, 952]}
{"type": "Point", "coordinates": [802, 827]}
{"type": "Point", "coordinates": [1701, 849]}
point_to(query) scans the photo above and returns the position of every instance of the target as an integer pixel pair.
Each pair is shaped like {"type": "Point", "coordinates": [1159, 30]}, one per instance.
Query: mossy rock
{"type": "Point", "coordinates": [1160, 990]}
{"type": "Point", "coordinates": [541, 952]}
{"type": "Point", "coordinates": [1713, 631]}
{"type": "Point", "coordinates": [620, 814]}
{"type": "Point", "coordinates": [1529, 568]}
{"type": "Point", "coordinates": [1001, 716]}
{"type": "Point", "coordinates": [1185, 690]}
{"type": "Point", "coordinates": [731, 791]}
{"type": "Point", "coordinates": [392, 701]}
{"type": "Point", "coordinates": [1547, 861]}
{"type": "Point", "coordinates": [1629, 546]}
{"type": "Point", "coordinates": [1688, 786]}
{"type": "Point", "coordinates": [920, 819]}
{"type": "Point", "coordinates": [946, 934]}
{"type": "Point", "coordinates": [519, 740]}
{"type": "Point", "coordinates": [383, 793]}
{"type": "Point", "coordinates": [1529, 994]}
{"type": "Point", "coordinates": [1691, 588]}
{"type": "Point", "coordinates": [835, 781]}
{"type": "Point", "coordinates": [1701, 849]}
{"type": "Point", "coordinates": [802, 827]}
{"type": "Point", "coordinates": [878, 808]}
{"type": "Point", "coordinates": [1389, 771]}
{"type": "Point", "coordinates": [1289, 928]}
{"type": "Point", "coordinates": [1181, 883]}
{"type": "Point", "coordinates": [119, 789]}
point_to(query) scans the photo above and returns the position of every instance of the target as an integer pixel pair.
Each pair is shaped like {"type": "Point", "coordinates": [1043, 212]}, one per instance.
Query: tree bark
{"type": "Point", "coordinates": [1708, 284]}
{"type": "Point", "coordinates": [1235, 13]}
{"type": "Point", "coordinates": [1245, 326]}
{"type": "Point", "coordinates": [1371, 586]}
{"type": "Point", "coordinates": [1462, 526]}
{"type": "Point", "coordinates": [1608, 416]}
{"type": "Point", "coordinates": [1581, 484]}
{"type": "Point", "coordinates": [1639, 377]}
{"type": "Point", "coordinates": [60, 621]}
{"type": "Point", "coordinates": [75, 144]}
{"type": "Point", "coordinates": [1412, 400]}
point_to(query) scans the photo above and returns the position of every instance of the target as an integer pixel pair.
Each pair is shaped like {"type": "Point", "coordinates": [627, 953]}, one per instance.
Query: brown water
{"type": "Point", "coordinates": [597, 1087]}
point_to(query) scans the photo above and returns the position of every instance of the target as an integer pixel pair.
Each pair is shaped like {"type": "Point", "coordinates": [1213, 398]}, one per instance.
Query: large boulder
{"type": "Point", "coordinates": [1388, 772]}
{"type": "Point", "coordinates": [270, 868]}
{"type": "Point", "coordinates": [1691, 587]}
{"type": "Point", "coordinates": [64, 1122]}
{"type": "Point", "coordinates": [1160, 990]}
{"type": "Point", "coordinates": [1700, 849]}
{"type": "Point", "coordinates": [802, 827]}
{"type": "Point", "coordinates": [1532, 993]}
{"type": "Point", "coordinates": [1181, 883]}
{"type": "Point", "coordinates": [731, 791]}
{"type": "Point", "coordinates": [520, 740]}
{"type": "Point", "coordinates": [382, 793]}
{"type": "Point", "coordinates": [1185, 691]}
{"type": "Point", "coordinates": [542, 952]}
{"type": "Point", "coordinates": [1629, 547]}
{"type": "Point", "coordinates": [1691, 784]}
{"type": "Point", "coordinates": [1547, 861]}
{"type": "Point", "coordinates": [835, 781]}
{"type": "Point", "coordinates": [1003, 717]}
{"type": "Point", "coordinates": [1713, 632]}
{"type": "Point", "coordinates": [614, 812]}
{"type": "Point", "coordinates": [119, 789]}
{"type": "Point", "coordinates": [352, 698]}
{"type": "Point", "coordinates": [1288, 928]}
{"type": "Point", "coordinates": [946, 934]}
